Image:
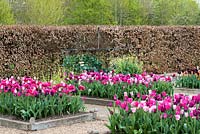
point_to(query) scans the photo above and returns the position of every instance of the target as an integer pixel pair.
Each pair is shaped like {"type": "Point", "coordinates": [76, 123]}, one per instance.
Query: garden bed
{"type": "Point", "coordinates": [106, 85]}
{"type": "Point", "coordinates": [29, 104]}
{"type": "Point", "coordinates": [109, 102]}
{"type": "Point", "coordinates": [46, 123]}
{"type": "Point", "coordinates": [156, 113]}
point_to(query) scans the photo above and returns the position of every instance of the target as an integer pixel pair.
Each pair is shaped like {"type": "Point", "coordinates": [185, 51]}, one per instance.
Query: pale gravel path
{"type": "Point", "coordinates": [79, 128]}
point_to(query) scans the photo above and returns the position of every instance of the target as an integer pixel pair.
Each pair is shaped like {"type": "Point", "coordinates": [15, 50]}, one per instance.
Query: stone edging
{"type": "Point", "coordinates": [187, 90]}
{"type": "Point", "coordinates": [32, 125]}
{"type": "Point", "coordinates": [98, 101]}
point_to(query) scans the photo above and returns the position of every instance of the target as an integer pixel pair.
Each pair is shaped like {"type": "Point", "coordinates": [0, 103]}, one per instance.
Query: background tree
{"type": "Point", "coordinates": [84, 12]}
{"type": "Point", "coordinates": [176, 12]}
{"type": "Point", "coordinates": [6, 15]}
{"type": "Point", "coordinates": [185, 12]}
{"type": "Point", "coordinates": [44, 12]}
{"type": "Point", "coordinates": [162, 12]}
{"type": "Point", "coordinates": [130, 12]}
{"type": "Point", "coordinates": [105, 12]}
{"type": "Point", "coordinates": [19, 10]}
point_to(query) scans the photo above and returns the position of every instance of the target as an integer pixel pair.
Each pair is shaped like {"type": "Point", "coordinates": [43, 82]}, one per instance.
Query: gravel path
{"type": "Point", "coordinates": [79, 128]}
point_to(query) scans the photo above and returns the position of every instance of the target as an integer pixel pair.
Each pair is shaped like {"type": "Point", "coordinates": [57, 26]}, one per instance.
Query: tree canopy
{"type": "Point", "coordinates": [44, 12]}
{"type": "Point", "coordinates": [6, 14]}
{"type": "Point", "coordinates": [104, 12]}
{"type": "Point", "coordinates": [88, 12]}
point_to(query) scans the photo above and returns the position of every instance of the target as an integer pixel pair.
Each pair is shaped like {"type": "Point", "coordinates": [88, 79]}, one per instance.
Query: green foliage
{"type": "Point", "coordinates": [188, 16]}
{"type": "Point", "coordinates": [129, 12]}
{"type": "Point", "coordinates": [126, 65]}
{"type": "Point", "coordinates": [142, 122]}
{"type": "Point", "coordinates": [79, 63]}
{"type": "Point", "coordinates": [25, 107]}
{"type": "Point", "coordinates": [161, 86]}
{"type": "Point", "coordinates": [188, 81]}
{"type": "Point", "coordinates": [56, 77]}
{"type": "Point", "coordinates": [44, 12]}
{"type": "Point", "coordinates": [105, 12]}
{"type": "Point", "coordinates": [176, 12]}
{"type": "Point", "coordinates": [97, 89]}
{"type": "Point", "coordinates": [6, 15]}
{"type": "Point", "coordinates": [19, 10]}
{"type": "Point", "coordinates": [88, 12]}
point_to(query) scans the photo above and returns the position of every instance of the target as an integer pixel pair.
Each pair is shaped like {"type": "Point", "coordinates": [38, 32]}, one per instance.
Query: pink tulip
{"type": "Point", "coordinates": [133, 110]}
{"type": "Point", "coordinates": [153, 109]}
{"type": "Point", "coordinates": [126, 109]}
{"type": "Point", "coordinates": [115, 97]}
{"type": "Point", "coordinates": [135, 104]}
{"type": "Point", "coordinates": [129, 100]}
{"type": "Point", "coordinates": [118, 102]}
{"type": "Point", "coordinates": [177, 117]}
{"type": "Point", "coordinates": [165, 115]}
{"type": "Point", "coordinates": [71, 87]}
{"type": "Point", "coordinates": [146, 108]}
{"type": "Point", "coordinates": [138, 95]}
{"type": "Point", "coordinates": [144, 97]}
{"type": "Point", "coordinates": [81, 87]}
{"type": "Point", "coordinates": [164, 94]}
{"type": "Point", "coordinates": [125, 94]}
{"type": "Point", "coordinates": [18, 94]}
{"type": "Point", "coordinates": [123, 105]}
{"type": "Point", "coordinates": [167, 106]}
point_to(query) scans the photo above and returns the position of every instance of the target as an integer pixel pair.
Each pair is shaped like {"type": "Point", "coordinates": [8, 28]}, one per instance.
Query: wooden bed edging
{"type": "Point", "coordinates": [187, 90]}
{"type": "Point", "coordinates": [32, 125]}
{"type": "Point", "coordinates": [98, 101]}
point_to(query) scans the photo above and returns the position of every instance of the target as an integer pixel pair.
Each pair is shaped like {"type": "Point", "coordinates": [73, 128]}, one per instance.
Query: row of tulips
{"type": "Point", "coordinates": [156, 113]}
{"type": "Point", "coordinates": [26, 97]}
{"type": "Point", "coordinates": [112, 78]}
{"type": "Point", "coordinates": [106, 85]}
{"type": "Point", "coordinates": [28, 86]}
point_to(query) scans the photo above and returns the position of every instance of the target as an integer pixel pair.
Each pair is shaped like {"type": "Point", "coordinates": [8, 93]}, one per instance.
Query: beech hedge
{"type": "Point", "coordinates": [36, 50]}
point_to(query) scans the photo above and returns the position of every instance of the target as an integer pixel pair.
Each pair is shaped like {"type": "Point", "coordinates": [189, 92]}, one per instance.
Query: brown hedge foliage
{"type": "Point", "coordinates": [33, 49]}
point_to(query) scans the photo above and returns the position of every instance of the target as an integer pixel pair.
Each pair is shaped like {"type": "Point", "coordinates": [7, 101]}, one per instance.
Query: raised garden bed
{"type": "Point", "coordinates": [109, 102]}
{"type": "Point", "coordinates": [158, 113]}
{"type": "Point", "coordinates": [106, 85]}
{"type": "Point", "coordinates": [29, 104]}
{"type": "Point", "coordinates": [48, 123]}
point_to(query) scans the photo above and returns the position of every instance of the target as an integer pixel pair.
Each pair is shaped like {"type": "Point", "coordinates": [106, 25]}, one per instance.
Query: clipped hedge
{"type": "Point", "coordinates": [32, 49]}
